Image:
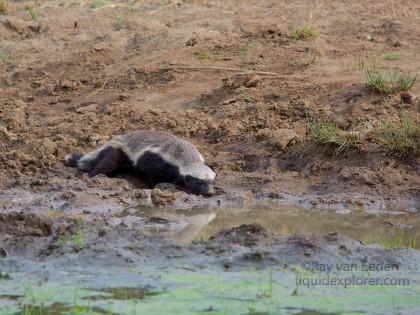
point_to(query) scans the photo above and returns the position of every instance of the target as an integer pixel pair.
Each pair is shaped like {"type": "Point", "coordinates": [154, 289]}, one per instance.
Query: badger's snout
{"type": "Point", "coordinates": [199, 186]}
{"type": "Point", "coordinates": [209, 189]}
{"type": "Point", "coordinates": [205, 189]}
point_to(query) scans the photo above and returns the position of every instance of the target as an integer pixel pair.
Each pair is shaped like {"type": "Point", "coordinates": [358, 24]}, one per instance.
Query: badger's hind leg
{"type": "Point", "coordinates": [106, 161]}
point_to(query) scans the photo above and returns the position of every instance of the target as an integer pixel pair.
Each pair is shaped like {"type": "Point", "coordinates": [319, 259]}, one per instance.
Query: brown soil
{"type": "Point", "coordinates": [76, 76]}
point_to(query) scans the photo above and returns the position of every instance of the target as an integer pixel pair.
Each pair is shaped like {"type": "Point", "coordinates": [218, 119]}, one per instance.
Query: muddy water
{"type": "Point", "coordinates": [124, 273]}
{"type": "Point", "coordinates": [388, 228]}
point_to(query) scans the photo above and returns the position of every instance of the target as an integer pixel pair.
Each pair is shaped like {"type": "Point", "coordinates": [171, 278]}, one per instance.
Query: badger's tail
{"type": "Point", "coordinates": [72, 159]}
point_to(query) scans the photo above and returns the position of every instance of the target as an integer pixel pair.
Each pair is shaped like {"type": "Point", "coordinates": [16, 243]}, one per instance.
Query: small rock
{"type": "Point", "coordinates": [300, 128]}
{"type": "Point", "coordinates": [395, 43]}
{"type": "Point", "coordinates": [87, 108]}
{"type": "Point", "coordinates": [412, 210]}
{"type": "Point", "coordinates": [114, 221]}
{"type": "Point", "coordinates": [67, 85]}
{"type": "Point", "coordinates": [240, 79]}
{"type": "Point", "coordinates": [65, 145]}
{"type": "Point", "coordinates": [369, 38]}
{"type": "Point", "coordinates": [100, 47]}
{"type": "Point", "coordinates": [48, 147]}
{"type": "Point", "coordinates": [342, 121]}
{"type": "Point", "coordinates": [280, 138]}
{"type": "Point", "coordinates": [9, 135]}
{"type": "Point", "coordinates": [406, 98]}
{"type": "Point", "coordinates": [16, 116]}
{"type": "Point", "coordinates": [360, 203]}
{"type": "Point", "coordinates": [143, 197]}
{"type": "Point", "coordinates": [4, 275]}
{"type": "Point", "coordinates": [166, 187]}
{"type": "Point", "coordinates": [123, 97]}
{"type": "Point", "coordinates": [253, 82]}
{"type": "Point", "coordinates": [164, 198]}
{"type": "Point", "coordinates": [191, 42]}
{"type": "Point", "coordinates": [243, 199]}
{"type": "Point", "coordinates": [95, 139]}
{"type": "Point", "coordinates": [35, 27]}
{"type": "Point", "coordinates": [248, 235]}
{"type": "Point", "coordinates": [229, 101]}
{"type": "Point", "coordinates": [15, 24]}
{"type": "Point", "coordinates": [3, 253]}
{"type": "Point", "coordinates": [157, 220]}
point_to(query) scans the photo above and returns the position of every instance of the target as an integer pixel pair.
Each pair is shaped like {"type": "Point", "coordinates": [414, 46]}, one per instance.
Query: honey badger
{"type": "Point", "coordinates": [157, 156]}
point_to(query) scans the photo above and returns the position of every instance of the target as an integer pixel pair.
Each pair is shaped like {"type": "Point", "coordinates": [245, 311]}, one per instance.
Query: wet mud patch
{"type": "Point", "coordinates": [61, 309]}
{"type": "Point", "coordinates": [21, 224]}
{"type": "Point", "coordinates": [121, 293]}
{"type": "Point", "coordinates": [245, 235]}
{"type": "Point", "coordinates": [158, 258]}
{"type": "Point", "coordinates": [221, 275]}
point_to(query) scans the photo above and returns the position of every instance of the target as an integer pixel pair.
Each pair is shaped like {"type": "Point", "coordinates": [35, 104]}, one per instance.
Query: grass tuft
{"type": "Point", "coordinates": [364, 62]}
{"type": "Point", "coordinates": [32, 12]}
{"type": "Point", "coordinates": [203, 55]}
{"type": "Point", "coordinates": [401, 238]}
{"type": "Point", "coordinates": [327, 133]}
{"type": "Point", "coordinates": [120, 22]}
{"type": "Point", "coordinates": [389, 82]}
{"type": "Point", "coordinates": [403, 138]}
{"type": "Point", "coordinates": [3, 6]}
{"type": "Point", "coordinates": [78, 239]}
{"type": "Point", "coordinates": [304, 32]}
{"type": "Point", "coordinates": [96, 4]}
{"type": "Point", "coordinates": [391, 56]}
{"type": "Point", "coordinates": [3, 53]}
{"type": "Point", "coordinates": [244, 49]}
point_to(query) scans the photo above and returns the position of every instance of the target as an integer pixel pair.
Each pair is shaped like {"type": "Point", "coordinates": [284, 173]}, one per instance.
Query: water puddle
{"type": "Point", "coordinates": [387, 228]}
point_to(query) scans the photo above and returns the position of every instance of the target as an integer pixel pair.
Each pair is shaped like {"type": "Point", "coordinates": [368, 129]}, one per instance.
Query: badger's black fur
{"type": "Point", "coordinates": [157, 156]}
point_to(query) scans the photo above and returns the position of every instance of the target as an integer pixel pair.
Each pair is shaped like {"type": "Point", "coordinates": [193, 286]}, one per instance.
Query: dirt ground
{"type": "Point", "coordinates": [83, 71]}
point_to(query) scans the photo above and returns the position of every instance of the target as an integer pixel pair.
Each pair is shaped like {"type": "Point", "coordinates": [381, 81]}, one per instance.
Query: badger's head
{"type": "Point", "coordinates": [199, 178]}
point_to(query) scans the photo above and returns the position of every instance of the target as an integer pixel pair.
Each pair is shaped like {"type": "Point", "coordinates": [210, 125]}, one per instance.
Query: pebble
{"type": "Point", "coordinates": [412, 210]}
{"type": "Point", "coordinates": [88, 108]}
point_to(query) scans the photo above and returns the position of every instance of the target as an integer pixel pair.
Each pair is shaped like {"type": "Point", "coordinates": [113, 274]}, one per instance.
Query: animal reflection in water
{"type": "Point", "coordinates": [194, 225]}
